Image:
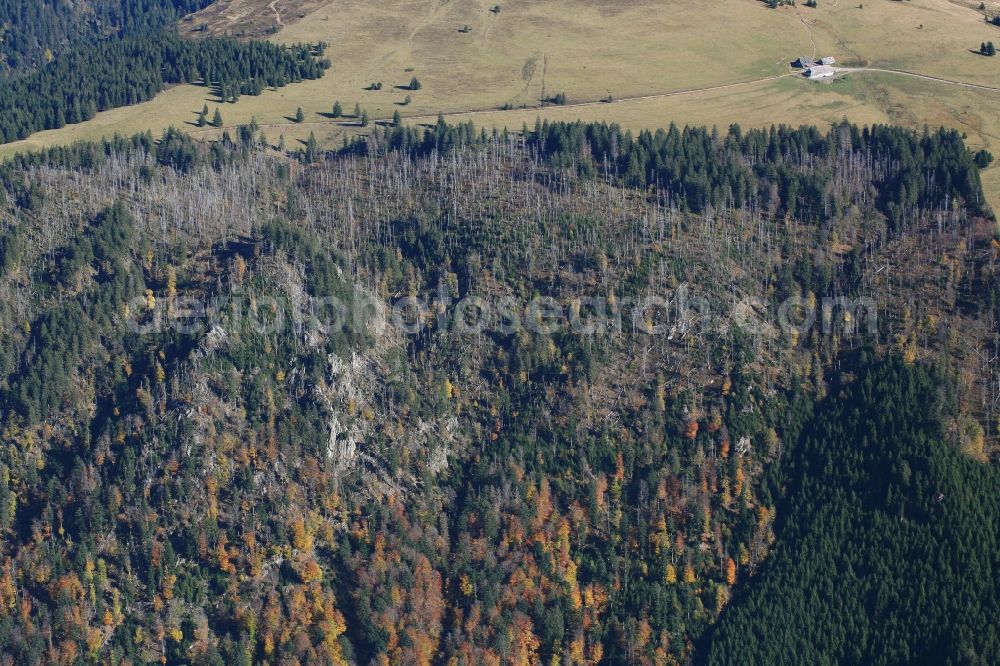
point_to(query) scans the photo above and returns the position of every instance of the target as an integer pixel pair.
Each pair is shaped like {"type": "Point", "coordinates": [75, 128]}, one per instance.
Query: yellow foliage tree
{"type": "Point", "coordinates": [721, 598]}
{"type": "Point", "coordinates": [740, 478]}
{"type": "Point", "coordinates": [301, 538]}
{"type": "Point", "coordinates": [171, 282]}
{"type": "Point", "coordinates": [222, 554]}
{"type": "Point", "coordinates": [333, 628]}
{"type": "Point", "coordinates": [465, 585]}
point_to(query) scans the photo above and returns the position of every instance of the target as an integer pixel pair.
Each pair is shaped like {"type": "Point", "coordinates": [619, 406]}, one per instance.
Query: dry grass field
{"type": "Point", "coordinates": [470, 58]}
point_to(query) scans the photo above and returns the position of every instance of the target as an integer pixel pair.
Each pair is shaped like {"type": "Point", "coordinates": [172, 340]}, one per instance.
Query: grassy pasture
{"type": "Point", "coordinates": [589, 50]}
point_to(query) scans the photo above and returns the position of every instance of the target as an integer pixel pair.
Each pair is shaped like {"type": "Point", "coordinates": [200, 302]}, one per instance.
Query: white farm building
{"type": "Point", "coordinates": [820, 72]}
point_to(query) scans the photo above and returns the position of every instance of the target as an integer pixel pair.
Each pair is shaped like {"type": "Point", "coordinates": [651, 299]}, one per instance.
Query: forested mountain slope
{"type": "Point", "coordinates": [887, 548]}
{"type": "Point", "coordinates": [65, 61]}
{"type": "Point", "coordinates": [36, 31]}
{"type": "Point", "coordinates": [249, 414]}
{"type": "Point", "coordinates": [128, 70]}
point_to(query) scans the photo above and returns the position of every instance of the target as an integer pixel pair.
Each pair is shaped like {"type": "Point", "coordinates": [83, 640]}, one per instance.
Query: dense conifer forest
{"type": "Point", "coordinates": [790, 171]}
{"type": "Point", "coordinates": [204, 463]}
{"type": "Point", "coordinates": [36, 32]}
{"type": "Point", "coordinates": [127, 55]}
{"type": "Point", "coordinates": [123, 71]}
{"type": "Point", "coordinates": [887, 549]}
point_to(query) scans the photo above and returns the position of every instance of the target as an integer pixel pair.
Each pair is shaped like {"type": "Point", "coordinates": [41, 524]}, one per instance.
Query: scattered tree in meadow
{"type": "Point", "coordinates": [338, 110]}
{"type": "Point", "coordinates": [983, 158]}
{"type": "Point", "coordinates": [312, 148]}
{"type": "Point", "coordinates": [217, 118]}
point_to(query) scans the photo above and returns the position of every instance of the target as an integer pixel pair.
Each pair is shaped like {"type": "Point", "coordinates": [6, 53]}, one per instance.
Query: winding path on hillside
{"type": "Point", "coordinates": [809, 30]}
{"type": "Point", "coordinates": [571, 105]}
{"type": "Point", "coordinates": [926, 77]}
{"type": "Point", "coordinates": [493, 109]}
{"type": "Point", "coordinates": [639, 98]}
{"type": "Point", "coordinates": [277, 16]}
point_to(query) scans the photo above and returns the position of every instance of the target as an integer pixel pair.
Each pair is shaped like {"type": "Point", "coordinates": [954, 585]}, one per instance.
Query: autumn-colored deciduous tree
{"type": "Point", "coordinates": [301, 538]}
{"type": "Point", "coordinates": [333, 626]}
{"type": "Point", "coordinates": [523, 641]}
{"type": "Point", "coordinates": [721, 598]}
{"type": "Point", "coordinates": [730, 571]}
{"type": "Point", "coordinates": [543, 504]}
{"type": "Point", "coordinates": [223, 555]}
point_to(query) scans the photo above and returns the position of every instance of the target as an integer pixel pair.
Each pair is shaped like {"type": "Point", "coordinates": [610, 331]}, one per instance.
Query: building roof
{"type": "Point", "coordinates": [820, 71]}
